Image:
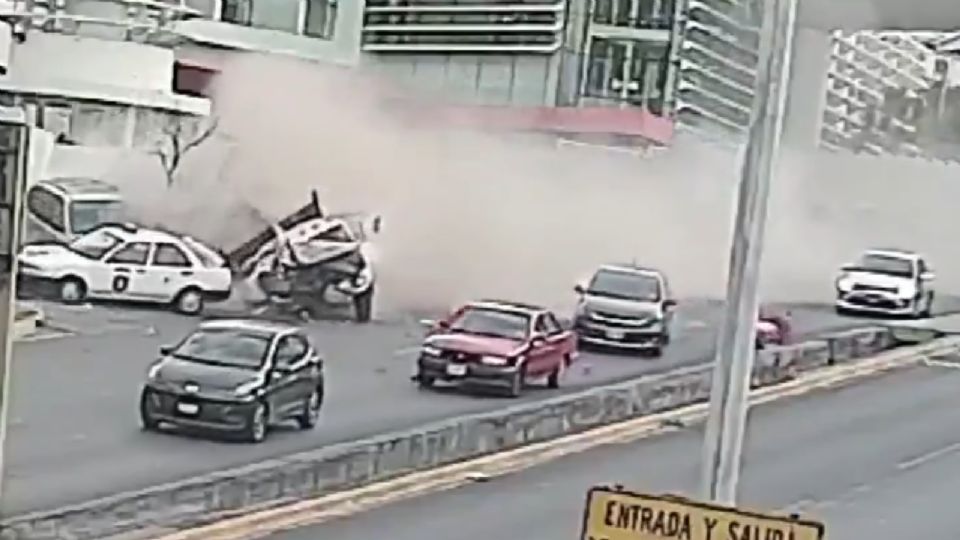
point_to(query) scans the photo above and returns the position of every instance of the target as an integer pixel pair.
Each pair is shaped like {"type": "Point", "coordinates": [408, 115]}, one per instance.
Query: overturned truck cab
{"type": "Point", "coordinates": [312, 261]}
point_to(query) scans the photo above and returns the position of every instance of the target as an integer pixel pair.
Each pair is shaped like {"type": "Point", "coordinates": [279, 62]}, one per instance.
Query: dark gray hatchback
{"type": "Point", "coordinates": [236, 376]}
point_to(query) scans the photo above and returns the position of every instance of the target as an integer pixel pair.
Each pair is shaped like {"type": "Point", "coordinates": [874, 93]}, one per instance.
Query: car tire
{"type": "Point", "coordinates": [655, 352]}
{"type": "Point", "coordinates": [189, 301]}
{"type": "Point", "coordinates": [255, 429]}
{"type": "Point", "coordinates": [73, 290]}
{"type": "Point", "coordinates": [928, 308]}
{"type": "Point", "coordinates": [147, 421]}
{"type": "Point", "coordinates": [425, 382]}
{"type": "Point", "coordinates": [310, 414]}
{"type": "Point", "coordinates": [517, 382]}
{"type": "Point", "coordinates": [363, 306]}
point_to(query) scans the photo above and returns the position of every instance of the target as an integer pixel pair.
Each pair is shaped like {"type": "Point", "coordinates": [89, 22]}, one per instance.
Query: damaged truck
{"type": "Point", "coordinates": [311, 262]}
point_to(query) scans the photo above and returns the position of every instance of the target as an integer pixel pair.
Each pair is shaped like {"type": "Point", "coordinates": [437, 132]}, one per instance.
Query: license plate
{"type": "Point", "coordinates": [188, 408]}
{"type": "Point", "coordinates": [456, 370]}
{"type": "Point", "coordinates": [615, 334]}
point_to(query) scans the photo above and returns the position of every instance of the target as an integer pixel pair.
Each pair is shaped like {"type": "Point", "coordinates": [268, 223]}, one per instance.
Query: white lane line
{"type": "Point", "coordinates": [941, 363]}
{"type": "Point", "coordinates": [928, 457]}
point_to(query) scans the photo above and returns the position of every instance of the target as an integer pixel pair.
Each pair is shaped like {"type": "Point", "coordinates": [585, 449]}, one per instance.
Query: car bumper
{"type": "Point", "coordinates": [884, 306]}
{"type": "Point", "coordinates": [211, 414]}
{"type": "Point", "coordinates": [474, 374]}
{"type": "Point", "coordinates": [622, 338]}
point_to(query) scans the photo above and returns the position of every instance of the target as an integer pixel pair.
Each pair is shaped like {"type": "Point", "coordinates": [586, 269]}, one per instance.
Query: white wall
{"type": "Point", "coordinates": [96, 69]}
{"type": "Point", "coordinates": [519, 79]}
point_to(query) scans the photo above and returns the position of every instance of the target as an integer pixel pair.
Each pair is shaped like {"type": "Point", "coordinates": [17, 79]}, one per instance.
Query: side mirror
{"type": "Point", "coordinates": [376, 225]}
{"type": "Point", "coordinates": [579, 289]}
{"type": "Point", "coordinates": [537, 340]}
{"type": "Point", "coordinates": [670, 303]}
{"type": "Point", "coordinates": [927, 276]}
{"type": "Point", "coordinates": [849, 267]}
{"type": "Point", "coordinates": [166, 350]}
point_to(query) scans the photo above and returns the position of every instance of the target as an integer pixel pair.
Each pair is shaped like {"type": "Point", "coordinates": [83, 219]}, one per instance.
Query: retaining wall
{"type": "Point", "coordinates": [351, 464]}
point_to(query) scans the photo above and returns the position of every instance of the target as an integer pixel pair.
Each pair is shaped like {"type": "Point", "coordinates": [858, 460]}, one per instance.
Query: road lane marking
{"type": "Point", "coordinates": [941, 363]}
{"type": "Point", "coordinates": [252, 524]}
{"type": "Point", "coordinates": [928, 457]}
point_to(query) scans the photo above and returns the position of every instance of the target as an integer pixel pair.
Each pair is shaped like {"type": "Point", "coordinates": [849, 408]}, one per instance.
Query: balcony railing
{"type": "Point", "coordinates": [129, 20]}
{"type": "Point", "coordinates": [450, 26]}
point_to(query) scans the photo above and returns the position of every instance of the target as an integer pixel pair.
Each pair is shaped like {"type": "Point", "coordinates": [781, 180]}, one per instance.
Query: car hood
{"type": "Point", "coordinates": [475, 344]}
{"type": "Point", "coordinates": [872, 279]}
{"type": "Point", "coordinates": [620, 307]}
{"type": "Point", "coordinates": [176, 371]}
{"type": "Point", "coordinates": [49, 254]}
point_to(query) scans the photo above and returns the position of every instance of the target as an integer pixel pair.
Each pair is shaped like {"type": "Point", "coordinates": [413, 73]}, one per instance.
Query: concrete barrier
{"type": "Point", "coordinates": [26, 320]}
{"type": "Point", "coordinates": [355, 463]}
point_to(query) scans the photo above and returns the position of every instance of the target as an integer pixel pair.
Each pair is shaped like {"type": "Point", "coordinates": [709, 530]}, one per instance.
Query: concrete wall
{"type": "Point", "coordinates": [807, 88]}
{"type": "Point", "coordinates": [522, 80]}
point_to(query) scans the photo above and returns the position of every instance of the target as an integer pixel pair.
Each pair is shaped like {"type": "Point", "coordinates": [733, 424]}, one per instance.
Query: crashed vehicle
{"type": "Point", "coordinates": [311, 261]}
{"type": "Point", "coordinates": [773, 328]}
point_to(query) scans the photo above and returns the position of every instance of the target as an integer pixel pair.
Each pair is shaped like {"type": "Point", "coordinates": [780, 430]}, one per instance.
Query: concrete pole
{"type": "Point", "coordinates": [14, 137]}
{"type": "Point", "coordinates": [735, 347]}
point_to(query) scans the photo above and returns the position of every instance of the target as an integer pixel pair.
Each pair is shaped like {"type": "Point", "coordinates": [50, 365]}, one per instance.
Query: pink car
{"type": "Point", "coordinates": [773, 328]}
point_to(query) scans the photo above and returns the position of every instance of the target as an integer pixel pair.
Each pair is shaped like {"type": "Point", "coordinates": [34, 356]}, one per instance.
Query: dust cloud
{"type": "Point", "coordinates": [468, 214]}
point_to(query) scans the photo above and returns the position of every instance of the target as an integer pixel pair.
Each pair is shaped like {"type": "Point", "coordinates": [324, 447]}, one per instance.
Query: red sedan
{"type": "Point", "coordinates": [498, 344]}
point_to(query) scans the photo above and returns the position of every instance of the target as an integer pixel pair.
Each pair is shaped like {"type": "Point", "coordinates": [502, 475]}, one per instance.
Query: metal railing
{"type": "Point", "coordinates": [131, 20]}
{"type": "Point", "coordinates": [412, 26]}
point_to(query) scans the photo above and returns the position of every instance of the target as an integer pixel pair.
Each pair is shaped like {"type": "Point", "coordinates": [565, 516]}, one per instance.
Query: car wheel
{"type": "Point", "coordinates": [189, 302]}
{"type": "Point", "coordinates": [363, 306]}
{"type": "Point", "coordinates": [928, 308]}
{"type": "Point", "coordinates": [147, 421]}
{"type": "Point", "coordinates": [256, 429]}
{"type": "Point", "coordinates": [425, 382]}
{"type": "Point", "coordinates": [310, 414]}
{"type": "Point", "coordinates": [655, 352]}
{"type": "Point", "coordinates": [517, 382]}
{"type": "Point", "coordinates": [72, 290]}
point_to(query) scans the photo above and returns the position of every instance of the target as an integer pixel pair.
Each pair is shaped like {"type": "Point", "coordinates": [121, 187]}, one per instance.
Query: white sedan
{"type": "Point", "coordinates": [128, 263]}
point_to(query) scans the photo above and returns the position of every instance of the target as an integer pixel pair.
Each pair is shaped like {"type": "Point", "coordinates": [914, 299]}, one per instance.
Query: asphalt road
{"type": "Point", "coordinates": [877, 460]}
{"type": "Point", "coordinates": [74, 431]}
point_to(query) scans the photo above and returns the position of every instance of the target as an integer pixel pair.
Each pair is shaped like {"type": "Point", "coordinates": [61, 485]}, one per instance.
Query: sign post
{"type": "Point", "coordinates": [616, 514]}
{"type": "Point", "coordinates": [14, 136]}
{"type": "Point", "coordinates": [736, 344]}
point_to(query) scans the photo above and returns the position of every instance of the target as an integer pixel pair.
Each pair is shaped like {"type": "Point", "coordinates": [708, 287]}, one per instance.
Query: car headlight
{"type": "Point", "coordinates": [248, 387]}
{"type": "Point", "coordinates": [153, 372]}
{"type": "Point", "coordinates": [844, 284]}
{"type": "Point", "coordinates": [427, 350]}
{"type": "Point", "coordinates": [495, 360]}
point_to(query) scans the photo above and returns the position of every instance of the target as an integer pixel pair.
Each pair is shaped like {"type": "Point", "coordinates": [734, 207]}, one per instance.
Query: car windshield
{"type": "Point", "coordinates": [885, 264]}
{"type": "Point", "coordinates": [95, 244]}
{"type": "Point", "coordinates": [492, 322]}
{"type": "Point", "coordinates": [230, 347]}
{"type": "Point", "coordinates": [625, 285]}
{"type": "Point", "coordinates": [87, 215]}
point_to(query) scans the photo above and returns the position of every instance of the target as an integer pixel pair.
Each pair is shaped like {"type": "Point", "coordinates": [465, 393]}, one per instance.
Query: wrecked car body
{"type": "Point", "coordinates": [311, 261]}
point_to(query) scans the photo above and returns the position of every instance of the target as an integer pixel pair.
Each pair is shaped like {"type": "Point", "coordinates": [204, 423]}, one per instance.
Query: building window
{"type": "Point", "coordinates": [605, 68]}
{"type": "Point", "coordinates": [321, 18]}
{"type": "Point", "coordinates": [631, 71]}
{"type": "Point", "coordinates": [641, 14]}
{"type": "Point", "coordinates": [282, 15]}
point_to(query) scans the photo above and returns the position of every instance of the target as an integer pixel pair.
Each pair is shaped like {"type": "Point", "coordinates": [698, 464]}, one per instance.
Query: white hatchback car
{"type": "Point", "coordinates": [887, 282]}
{"type": "Point", "coordinates": [128, 263]}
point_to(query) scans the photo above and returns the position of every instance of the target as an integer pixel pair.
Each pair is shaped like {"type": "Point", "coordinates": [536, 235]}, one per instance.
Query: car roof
{"type": "Point", "coordinates": [509, 306]}
{"type": "Point", "coordinates": [130, 232]}
{"type": "Point", "coordinates": [267, 326]}
{"type": "Point", "coordinates": [631, 268]}
{"type": "Point", "coordinates": [893, 252]}
{"type": "Point", "coordinates": [82, 188]}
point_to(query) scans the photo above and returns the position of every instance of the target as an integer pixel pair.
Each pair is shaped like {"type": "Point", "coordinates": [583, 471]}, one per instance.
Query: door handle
{"type": "Point", "coordinates": [122, 270]}
{"type": "Point", "coordinates": [141, 271]}
{"type": "Point", "coordinates": [186, 273]}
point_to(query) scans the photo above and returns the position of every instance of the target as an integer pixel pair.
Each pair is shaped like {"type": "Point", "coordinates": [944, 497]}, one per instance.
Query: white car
{"type": "Point", "coordinates": [887, 282]}
{"type": "Point", "coordinates": [129, 263]}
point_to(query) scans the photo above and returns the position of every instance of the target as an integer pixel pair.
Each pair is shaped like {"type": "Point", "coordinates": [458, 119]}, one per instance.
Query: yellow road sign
{"type": "Point", "coordinates": [615, 514]}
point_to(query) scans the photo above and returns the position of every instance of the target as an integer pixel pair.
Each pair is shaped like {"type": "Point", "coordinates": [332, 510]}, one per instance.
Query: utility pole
{"type": "Point", "coordinates": [736, 343]}
{"type": "Point", "coordinates": [14, 137]}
